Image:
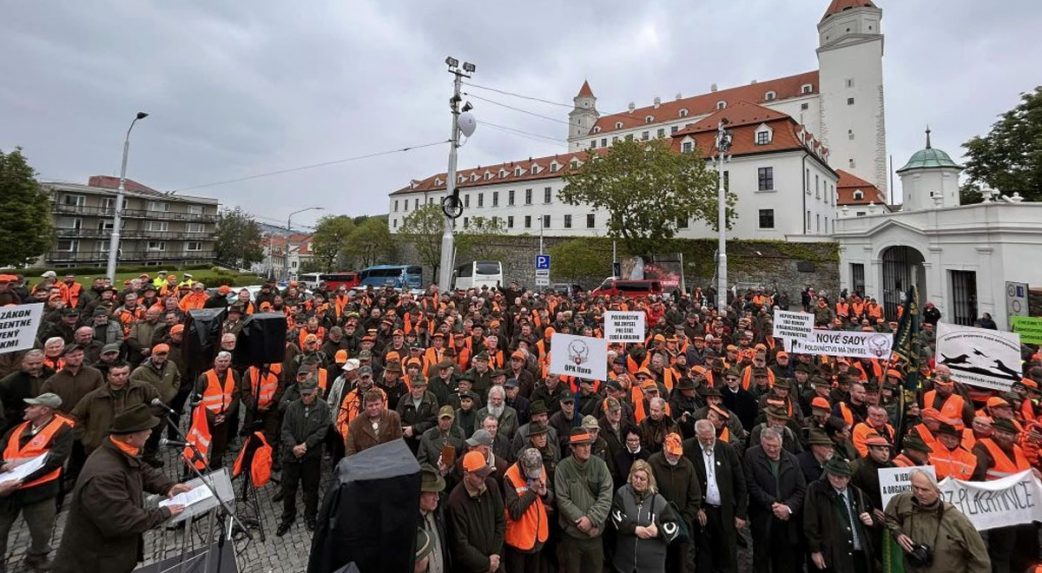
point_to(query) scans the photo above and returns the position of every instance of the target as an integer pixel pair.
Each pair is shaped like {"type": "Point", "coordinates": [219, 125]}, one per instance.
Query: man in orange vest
{"type": "Point", "coordinates": [997, 457]}
{"type": "Point", "coordinates": [218, 390]}
{"type": "Point", "coordinates": [954, 408]}
{"type": "Point", "coordinates": [42, 433]}
{"type": "Point", "coordinates": [262, 391]}
{"type": "Point", "coordinates": [949, 458]}
{"type": "Point", "coordinates": [526, 495]}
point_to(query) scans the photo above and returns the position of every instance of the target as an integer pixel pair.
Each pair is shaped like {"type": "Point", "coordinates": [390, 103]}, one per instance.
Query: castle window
{"type": "Point", "coordinates": [850, 101]}
{"type": "Point", "coordinates": [769, 96]}
{"type": "Point", "coordinates": [858, 195]}
{"type": "Point", "coordinates": [649, 119]}
{"type": "Point", "coordinates": [763, 137]}
{"type": "Point", "coordinates": [687, 146]}
{"type": "Point", "coordinates": [804, 106]}
{"type": "Point", "coordinates": [721, 104]}
{"type": "Point", "coordinates": [674, 129]}
{"type": "Point", "coordinates": [604, 142]}
{"type": "Point", "coordinates": [807, 88]}
{"type": "Point", "coordinates": [850, 82]}
{"type": "Point", "coordinates": [597, 129]}
{"type": "Point", "coordinates": [682, 113]}
{"type": "Point", "coordinates": [850, 134]}
{"type": "Point", "coordinates": [850, 162]}
{"type": "Point", "coordinates": [618, 125]}
{"type": "Point", "coordinates": [644, 136]}
{"type": "Point", "coordinates": [593, 144]}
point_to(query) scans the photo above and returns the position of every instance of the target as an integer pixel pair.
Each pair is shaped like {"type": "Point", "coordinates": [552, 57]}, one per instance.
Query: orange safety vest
{"type": "Point", "coordinates": [951, 409]}
{"type": "Point", "coordinates": [323, 380]}
{"type": "Point", "coordinates": [264, 389]}
{"type": "Point", "coordinates": [260, 466]}
{"type": "Point", "coordinates": [38, 444]}
{"type": "Point", "coordinates": [903, 461]}
{"type": "Point", "coordinates": [347, 411]}
{"type": "Point", "coordinates": [71, 294]}
{"type": "Point", "coordinates": [725, 435]}
{"type": "Point", "coordinates": [957, 463]}
{"type": "Point", "coordinates": [846, 413]}
{"type": "Point", "coordinates": [860, 435]}
{"type": "Point", "coordinates": [1003, 465]}
{"type": "Point", "coordinates": [217, 397]}
{"type": "Point", "coordinates": [199, 435]}
{"type": "Point", "coordinates": [842, 309]}
{"type": "Point", "coordinates": [533, 525]}
{"type": "Point", "coordinates": [926, 436]}
{"type": "Point", "coordinates": [320, 334]}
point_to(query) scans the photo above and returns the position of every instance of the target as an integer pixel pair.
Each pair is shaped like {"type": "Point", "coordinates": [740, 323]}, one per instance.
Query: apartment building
{"type": "Point", "coordinates": [157, 228]}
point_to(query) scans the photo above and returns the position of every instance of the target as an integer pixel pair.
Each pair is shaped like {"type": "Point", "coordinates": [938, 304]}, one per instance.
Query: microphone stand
{"type": "Point", "coordinates": [223, 505]}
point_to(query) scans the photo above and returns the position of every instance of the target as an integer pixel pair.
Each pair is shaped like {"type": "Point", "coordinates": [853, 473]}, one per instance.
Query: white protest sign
{"type": "Point", "coordinates": [978, 356]}
{"type": "Point", "coordinates": [18, 326]}
{"type": "Point", "coordinates": [843, 343]}
{"type": "Point", "coordinates": [584, 357]}
{"type": "Point", "coordinates": [1007, 501]}
{"type": "Point", "coordinates": [790, 324]}
{"type": "Point", "coordinates": [622, 326]}
{"type": "Point", "coordinates": [893, 481]}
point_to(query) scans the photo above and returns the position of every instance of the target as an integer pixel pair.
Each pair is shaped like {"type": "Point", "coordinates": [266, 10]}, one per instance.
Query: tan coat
{"type": "Point", "coordinates": [96, 411]}
{"type": "Point", "coordinates": [361, 436]}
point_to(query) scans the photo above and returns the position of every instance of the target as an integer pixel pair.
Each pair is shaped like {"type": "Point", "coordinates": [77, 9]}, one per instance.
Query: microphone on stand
{"type": "Point", "coordinates": [168, 443]}
{"type": "Point", "coordinates": [157, 403]}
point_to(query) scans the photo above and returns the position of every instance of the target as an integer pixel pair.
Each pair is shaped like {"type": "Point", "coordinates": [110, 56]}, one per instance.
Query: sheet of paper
{"type": "Point", "coordinates": [190, 497]}
{"type": "Point", "coordinates": [21, 472]}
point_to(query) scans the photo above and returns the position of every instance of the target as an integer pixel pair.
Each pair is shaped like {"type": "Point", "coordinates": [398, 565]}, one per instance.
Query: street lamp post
{"type": "Point", "coordinates": [723, 144]}
{"type": "Point", "coordinates": [289, 230]}
{"type": "Point", "coordinates": [451, 205]}
{"type": "Point", "coordinates": [117, 218]}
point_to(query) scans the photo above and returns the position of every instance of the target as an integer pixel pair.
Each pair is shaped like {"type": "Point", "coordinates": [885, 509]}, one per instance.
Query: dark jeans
{"type": "Point", "coordinates": [717, 543]}
{"type": "Point", "coordinates": [678, 557]}
{"type": "Point", "coordinates": [219, 436]}
{"type": "Point", "coordinates": [777, 555]}
{"type": "Point", "coordinates": [515, 561]}
{"type": "Point", "coordinates": [581, 555]}
{"type": "Point", "coordinates": [38, 516]}
{"type": "Point", "coordinates": [308, 473]}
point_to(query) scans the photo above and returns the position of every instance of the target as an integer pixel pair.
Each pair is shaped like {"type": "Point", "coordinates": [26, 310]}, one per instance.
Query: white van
{"type": "Point", "coordinates": [478, 274]}
{"type": "Point", "coordinates": [310, 280]}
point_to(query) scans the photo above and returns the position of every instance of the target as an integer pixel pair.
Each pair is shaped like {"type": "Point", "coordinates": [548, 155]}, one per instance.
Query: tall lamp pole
{"type": "Point", "coordinates": [451, 205]}
{"type": "Point", "coordinates": [289, 230]}
{"type": "Point", "coordinates": [117, 218]}
{"type": "Point", "coordinates": [723, 144]}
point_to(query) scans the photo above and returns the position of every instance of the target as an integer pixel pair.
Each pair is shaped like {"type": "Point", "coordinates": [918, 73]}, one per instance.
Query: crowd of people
{"type": "Point", "coordinates": [705, 439]}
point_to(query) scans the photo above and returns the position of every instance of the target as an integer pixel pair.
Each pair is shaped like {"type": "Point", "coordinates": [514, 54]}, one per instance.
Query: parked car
{"type": "Point", "coordinates": [614, 286]}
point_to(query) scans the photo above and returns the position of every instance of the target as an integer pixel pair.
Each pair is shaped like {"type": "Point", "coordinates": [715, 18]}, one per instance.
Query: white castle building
{"type": "Point", "coordinates": [803, 146]}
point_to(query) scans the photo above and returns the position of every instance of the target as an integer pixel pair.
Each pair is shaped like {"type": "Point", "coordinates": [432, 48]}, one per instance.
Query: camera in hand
{"type": "Point", "coordinates": [920, 556]}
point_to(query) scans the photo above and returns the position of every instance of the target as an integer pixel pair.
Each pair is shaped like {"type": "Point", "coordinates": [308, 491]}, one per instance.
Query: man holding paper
{"type": "Point", "coordinates": [107, 520]}
{"type": "Point", "coordinates": [46, 434]}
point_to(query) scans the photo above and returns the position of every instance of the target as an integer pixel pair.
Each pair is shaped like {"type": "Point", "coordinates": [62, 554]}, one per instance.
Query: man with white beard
{"type": "Point", "coordinates": [505, 415]}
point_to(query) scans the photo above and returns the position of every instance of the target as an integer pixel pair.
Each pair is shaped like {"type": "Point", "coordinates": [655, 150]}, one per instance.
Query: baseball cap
{"type": "Point", "coordinates": [475, 463]}
{"type": "Point", "coordinates": [49, 399]}
{"type": "Point", "coordinates": [480, 438]}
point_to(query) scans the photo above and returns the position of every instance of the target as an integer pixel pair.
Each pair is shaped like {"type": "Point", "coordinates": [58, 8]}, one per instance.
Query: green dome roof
{"type": "Point", "coordinates": [929, 158]}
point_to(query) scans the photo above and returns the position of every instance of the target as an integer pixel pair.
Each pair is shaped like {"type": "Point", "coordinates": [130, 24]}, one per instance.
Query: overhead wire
{"type": "Point", "coordinates": [530, 135]}
{"type": "Point", "coordinates": [311, 166]}
{"type": "Point", "coordinates": [517, 95]}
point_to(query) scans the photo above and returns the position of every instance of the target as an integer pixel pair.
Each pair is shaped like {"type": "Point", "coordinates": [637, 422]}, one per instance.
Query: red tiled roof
{"type": "Point", "coordinates": [744, 118]}
{"type": "Point", "coordinates": [838, 6]}
{"type": "Point", "coordinates": [110, 182]}
{"type": "Point", "coordinates": [783, 88]}
{"type": "Point", "coordinates": [848, 183]}
{"type": "Point", "coordinates": [501, 173]}
{"type": "Point", "coordinates": [585, 90]}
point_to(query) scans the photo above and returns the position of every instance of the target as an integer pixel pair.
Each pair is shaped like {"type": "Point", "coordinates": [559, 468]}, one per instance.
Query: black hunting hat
{"type": "Point", "coordinates": [134, 419]}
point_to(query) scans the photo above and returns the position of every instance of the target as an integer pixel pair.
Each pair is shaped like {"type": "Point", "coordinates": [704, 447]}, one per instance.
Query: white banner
{"type": "Point", "coordinates": [622, 326]}
{"type": "Point", "coordinates": [584, 357]}
{"type": "Point", "coordinates": [18, 326]}
{"type": "Point", "coordinates": [791, 324]}
{"type": "Point", "coordinates": [893, 481]}
{"type": "Point", "coordinates": [1011, 500]}
{"type": "Point", "coordinates": [843, 343]}
{"type": "Point", "coordinates": [979, 356]}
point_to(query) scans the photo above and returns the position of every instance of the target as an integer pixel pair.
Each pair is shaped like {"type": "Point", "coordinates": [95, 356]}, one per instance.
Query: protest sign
{"type": "Point", "coordinates": [584, 357]}
{"type": "Point", "coordinates": [1007, 501]}
{"type": "Point", "coordinates": [624, 326]}
{"type": "Point", "coordinates": [792, 325]}
{"type": "Point", "coordinates": [893, 481]}
{"type": "Point", "coordinates": [18, 326]}
{"type": "Point", "coordinates": [843, 343]}
{"type": "Point", "coordinates": [979, 356]}
{"type": "Point", "coordinates": [1028, 327]}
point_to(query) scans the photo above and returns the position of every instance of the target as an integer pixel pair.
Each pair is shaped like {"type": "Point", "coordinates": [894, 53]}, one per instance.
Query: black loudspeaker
{"type": "Point", "coordinates": [370, 518]}
{"type": "Point", "coordinates": [262, 339]}
{"type": "Point", "coordinates": [202, 338]}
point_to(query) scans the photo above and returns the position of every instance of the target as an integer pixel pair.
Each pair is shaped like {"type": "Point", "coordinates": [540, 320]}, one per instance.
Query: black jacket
{"type": "Point", "coordinates": [678, 484]}
{"type": "Point", "coordinates": [730, 478]}
{"type": "Point", "coordinates": [764, 489]}
{"type": "Point", "coordinates": [828, 529]}
{"type": "Point", "coordinates": [476, 527]}
{"type": "Point", "coordinates": [302, 425]}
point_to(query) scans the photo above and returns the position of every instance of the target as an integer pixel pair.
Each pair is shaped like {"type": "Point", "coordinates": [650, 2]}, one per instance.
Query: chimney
{"type": "Point", "coordinates": [632, 106]}
{"type": "Point", "coordinates": [679, 96]}
{"type": "Point", "coordinates": [752, 83]}
{"type": "Point", "coordinates": [712, 87]}
{"type": "Point", "coordinates": [658, 102]}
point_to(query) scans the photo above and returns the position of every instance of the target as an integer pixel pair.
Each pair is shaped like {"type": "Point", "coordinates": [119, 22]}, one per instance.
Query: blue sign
{"type": "Point", "coordinates": [542, 262]}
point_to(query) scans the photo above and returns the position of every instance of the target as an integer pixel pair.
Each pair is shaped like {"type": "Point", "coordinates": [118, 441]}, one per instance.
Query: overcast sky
{"type": "Point", "coordinates": [242, 88]}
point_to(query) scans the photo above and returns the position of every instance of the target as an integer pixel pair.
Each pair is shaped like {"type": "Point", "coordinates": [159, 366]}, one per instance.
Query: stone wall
{"type": "Point", "coordinates": [771, 264]}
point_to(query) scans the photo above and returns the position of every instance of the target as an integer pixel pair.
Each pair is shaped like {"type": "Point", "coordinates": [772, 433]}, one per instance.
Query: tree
{"type": "Point", "coordinates": [646, 188]}
{"type": "Point", "coordinates": [238, 239]}
{"type": "Point", "coordinates": [1009, 158]}
{"type": "Point", "coordinates": [575, 260]}
{"type": "Point", "coordinates": [478, 240]}
{"type": "Point", "coordinates": [25, 219]}
{"type": "Point", "coordinates": [425, 226]}
{"type": "Point", "coordinates": [370, 243]}
{"type": "Point", "coordinates": [330, 240]}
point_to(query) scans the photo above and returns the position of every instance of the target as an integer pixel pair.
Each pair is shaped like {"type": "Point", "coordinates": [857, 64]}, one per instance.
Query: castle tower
{"type": "Point", "coordinates": [850, 61]}
{"type": "Point", "coordinates": [582, 118]}
{"type": "Point", "coordinates": [929, 180]}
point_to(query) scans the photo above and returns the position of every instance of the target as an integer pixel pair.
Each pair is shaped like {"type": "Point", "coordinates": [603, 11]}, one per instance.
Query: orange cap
{"type": "Point", "coordinates": [820, 402]}
{"type": "Point", "coordinates": [161, 347]}
{"type": "Point", "coordinates": [341, 356]}
{"type": "Point", "coordinates": [177, 329]}
{"type": "Point", "coordinates": [224, 289]}
{"type": "Point", "coordinates": [474, 462]}
{"type": "Point", "coordinates": [996, 402]}
{"type": "Point", "coordinates": [673, 444]}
